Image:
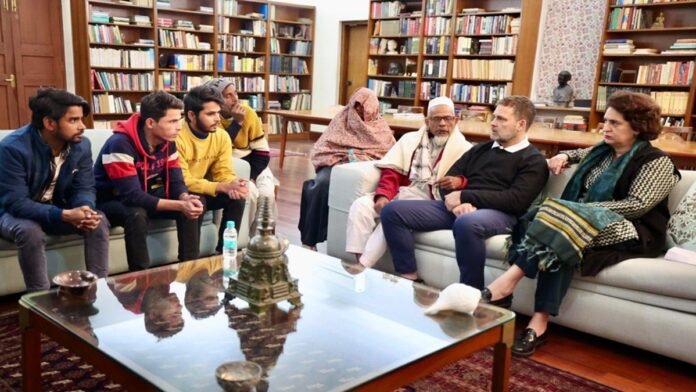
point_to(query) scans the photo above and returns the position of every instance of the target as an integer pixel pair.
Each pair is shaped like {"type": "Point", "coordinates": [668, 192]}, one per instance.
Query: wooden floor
{"type": "Point", "coordinates": [603, 361]}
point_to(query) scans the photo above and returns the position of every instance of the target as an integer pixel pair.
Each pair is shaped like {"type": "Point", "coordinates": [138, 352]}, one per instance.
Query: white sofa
{"type": "Point", "coordinates": [646, 303]}
{"type": "Point", "coordinates": [66, 252]}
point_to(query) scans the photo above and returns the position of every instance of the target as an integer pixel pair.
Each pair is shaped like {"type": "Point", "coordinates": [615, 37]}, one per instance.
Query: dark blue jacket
{"type": "Point", "coordinates": [25, 170]}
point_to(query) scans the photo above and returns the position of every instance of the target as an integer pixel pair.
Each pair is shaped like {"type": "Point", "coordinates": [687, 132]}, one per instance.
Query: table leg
{"type": "Point", "coordinates": [31, 352]}
{"type": "Point", "coordinates": [502, 358]}
{"type": "Point", "coordinates": [283, 140]}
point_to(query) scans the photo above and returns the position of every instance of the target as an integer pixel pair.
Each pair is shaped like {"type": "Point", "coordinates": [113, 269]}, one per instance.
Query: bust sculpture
{"type": "Point", "coordinates": [382, 46]}
{"type": "Point", "coordinates": [391, 47]}
{"type": "Point", "coordinates": [563, 94]}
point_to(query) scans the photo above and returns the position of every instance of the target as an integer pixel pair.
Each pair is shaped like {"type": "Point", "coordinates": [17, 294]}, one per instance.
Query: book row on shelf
{"type": "Point", "coordinates": [437, 45]}
{"type": "Point", "coordinates": [180, 39]}
{"type": "Point", "coordinates": [120, 58]}
{"type": "Point", "coordinates": [385, 9]}
{"type": "Point", "coordinates": [631, 2]}
{"type": "Point", "coordinates": [439, 7]}
{"type": "Point", "coordinates": [403, 26]}
{"type": "Point", "coordinates": [283, 84]}
{"type": "Point", "coordinates": [298, 48]}
{"type": "Point", "coordinates": [487, 46]}
{"type": "Point", "coordinates": [177, 81]}
{"type": "Point", "coordinates": [400, 89]}
{"type": "Point", "coordinates": [677, 73]}
{"type": "Point", "coordinates": [248, 27]}
{"type": "Point", "coordinates": [135, 20]}
{"type": "Point", "coordinates": [103, 34]}
{"type": "Point", "coordinates": [122, 81]}
{"type": "Point", "coordinates": [236, 43]}
{"type": "Point", "coordinates": [227, 62]}
{"type": "Point", "coordinates": [494, 24]}
{"type": "Point", "coordinates": [435, 68]}
{"type": "Point", "coordinates": [482, 93]}
{"type": "Point", "coordinates": [625, 46]}
{"type": "Point", "coordinates": [294, 65]}
{"type": "Point", "coordinates": [430, 90]}
{"type": "Point", "coordinates": [296, 102]}
{"type": "Point", "coordinates": [291, 31]}
{"type": "Point", "coordinates": [671, 102]}
{"type": "Point", "coordinates": [437, 26]}
{"type": "Point", "coordinates": [189, 62]}
{"type": "Point", "coordinates": [483, 69]}
{"type": "Point", "coordinates": [254, 101]}
{"type": "Point", "coordinates": [107, 103]}
{"type": "Point", "coordinates": [248, 84]}
{"type": "Point", "coordinates": [630, 18]}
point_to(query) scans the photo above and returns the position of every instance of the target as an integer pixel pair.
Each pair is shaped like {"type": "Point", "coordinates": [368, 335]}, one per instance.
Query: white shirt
{"type": "Point", "coordinates": [48, 194]}
{"type": "Point", "coordinates": [514, 148]}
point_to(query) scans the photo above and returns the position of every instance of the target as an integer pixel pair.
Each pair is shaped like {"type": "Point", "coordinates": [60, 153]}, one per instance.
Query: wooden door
{"type": "Point", "coordinates": [37, 32]}
{"type": "Point", "coordinates": [353, 59]}
{"type": "Point", "coordinates": [8, 99]}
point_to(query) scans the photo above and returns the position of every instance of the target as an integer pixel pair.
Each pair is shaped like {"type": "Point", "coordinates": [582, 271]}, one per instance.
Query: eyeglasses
{"type": "Point", "coordinates": [440, 118]}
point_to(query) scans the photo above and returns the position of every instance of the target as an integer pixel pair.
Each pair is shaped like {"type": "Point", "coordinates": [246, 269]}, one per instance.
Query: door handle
{"type": "Point", "coordinates": [349, 82]}
{"type": "Point", "coordinates": [12, 81]}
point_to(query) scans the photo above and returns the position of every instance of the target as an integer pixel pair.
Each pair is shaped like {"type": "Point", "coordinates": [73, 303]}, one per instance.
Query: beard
{"type": "Point", "coordinates": [440, 141]}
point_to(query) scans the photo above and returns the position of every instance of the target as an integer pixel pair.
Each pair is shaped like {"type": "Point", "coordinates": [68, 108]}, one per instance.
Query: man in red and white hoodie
{"type": "Point", "coordinates": [138, 178]}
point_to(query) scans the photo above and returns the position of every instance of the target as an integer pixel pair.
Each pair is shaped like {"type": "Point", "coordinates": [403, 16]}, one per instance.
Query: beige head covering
{"type": "Point", "coordinates": [368, 136]}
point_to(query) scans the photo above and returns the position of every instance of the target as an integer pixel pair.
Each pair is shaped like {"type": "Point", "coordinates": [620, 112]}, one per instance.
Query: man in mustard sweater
{"type": "Point", "coordinates": [206, 158]}
{"type": "Point", "coordinates": [250, 143]}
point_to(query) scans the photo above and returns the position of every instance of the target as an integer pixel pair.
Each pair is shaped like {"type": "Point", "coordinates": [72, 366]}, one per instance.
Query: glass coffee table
{"type": "Point", "coordinates": [167, 329]}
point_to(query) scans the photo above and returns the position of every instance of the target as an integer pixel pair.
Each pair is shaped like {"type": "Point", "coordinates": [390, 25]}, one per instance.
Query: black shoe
{"type": "Point", "coordinates": [505, 302]}
{"type": "Point", "coordinates": [527, 343]}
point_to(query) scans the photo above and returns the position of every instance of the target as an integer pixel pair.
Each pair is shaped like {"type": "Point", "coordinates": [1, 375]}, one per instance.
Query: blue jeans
{"type": "Point", "coordinates": [30, 238]}
{"type": "Point", "coordinates": [401, 217]}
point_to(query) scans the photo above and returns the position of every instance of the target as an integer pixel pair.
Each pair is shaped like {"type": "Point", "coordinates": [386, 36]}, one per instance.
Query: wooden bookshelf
{"type": "Point", "coordinates": [667, 76]}
{"type": "Point", "coordinates": [236, 44]}
{"type": "Point", "coordinates": [442, 50]}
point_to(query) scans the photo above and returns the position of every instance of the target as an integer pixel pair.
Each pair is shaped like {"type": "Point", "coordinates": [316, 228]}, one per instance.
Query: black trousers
{"type": "Point", "coordinates": [135, 221]}
{"type": "Point", "coordinates": [314, 208]}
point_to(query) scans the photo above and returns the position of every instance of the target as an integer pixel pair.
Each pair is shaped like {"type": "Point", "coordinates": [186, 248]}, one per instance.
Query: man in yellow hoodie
{"type": "Point", "coordinates": [206, 158]}
{"type": "Point", "coordinates": [250, 143]}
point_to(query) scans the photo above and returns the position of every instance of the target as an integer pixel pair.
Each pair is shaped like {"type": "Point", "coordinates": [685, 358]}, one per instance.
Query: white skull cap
{"type": "Point", "coordinates": [440, 101]}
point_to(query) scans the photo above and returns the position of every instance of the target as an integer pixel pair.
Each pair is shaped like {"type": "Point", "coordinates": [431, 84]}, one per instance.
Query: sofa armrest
{"type": "Point", "coordinates": [350, 181]}
{"type": "Point", "coordinates": [242, 169]}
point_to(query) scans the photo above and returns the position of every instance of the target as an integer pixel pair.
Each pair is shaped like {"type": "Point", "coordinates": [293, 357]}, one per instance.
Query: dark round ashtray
{"type": "Point", "coordinates": [75, 282]}
{"type": "Point", "coordinates": [238, 376]}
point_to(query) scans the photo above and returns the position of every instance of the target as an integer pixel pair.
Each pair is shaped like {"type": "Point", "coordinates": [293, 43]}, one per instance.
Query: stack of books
{"type": "Point", "coordinates": [619, 46]}
{"type": "Point", "coordinates": [164, 3]}
{"type": "Point", "coordinates": [141, 20]}
{"type": "Point", "coordinates": [184, 24]}
{"type": "Point", "coordinates": [100, 17]}
{"type": "Point", "coordinates": [205, 27]}
{"type": "Point", "coordinates": [682, 46]}
{"type": "Point", "coordinates": [204, 8]}
{"type": "Point", "coordinates": [120, 20]}
{"type": "Point", "coordinates": [165, 22]}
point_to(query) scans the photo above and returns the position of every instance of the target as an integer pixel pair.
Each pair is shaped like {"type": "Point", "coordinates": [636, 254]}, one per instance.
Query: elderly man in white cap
{"type": "Point", "coordinates": [410, 170]}
{"type": "Point", "coordinates": [486, 191]}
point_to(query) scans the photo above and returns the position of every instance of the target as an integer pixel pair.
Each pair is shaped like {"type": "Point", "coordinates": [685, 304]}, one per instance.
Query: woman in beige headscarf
{"type": "Point", "coordinates": [357, 133]}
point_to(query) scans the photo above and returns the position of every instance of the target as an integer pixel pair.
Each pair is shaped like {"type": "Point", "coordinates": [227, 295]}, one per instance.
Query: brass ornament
{"type": "Point", "coordinates": [263, 278]}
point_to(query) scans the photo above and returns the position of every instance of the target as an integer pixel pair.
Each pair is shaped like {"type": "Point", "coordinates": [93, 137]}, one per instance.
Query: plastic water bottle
{"type": "Point", "coordinates": [229, 250]}
{"type": "Point", "coordinates": [351, 156]}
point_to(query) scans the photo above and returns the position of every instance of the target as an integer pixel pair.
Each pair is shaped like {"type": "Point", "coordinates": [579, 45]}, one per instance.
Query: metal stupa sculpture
{"type": "Point", "coordinates": [263, 278]}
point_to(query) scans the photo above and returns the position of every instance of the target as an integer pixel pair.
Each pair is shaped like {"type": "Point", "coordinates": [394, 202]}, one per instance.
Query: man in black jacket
{"type": "Point", "coordinates": [494, 183]}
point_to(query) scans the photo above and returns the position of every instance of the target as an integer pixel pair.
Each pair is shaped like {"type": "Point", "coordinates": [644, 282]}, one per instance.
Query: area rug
{"type": "Point", "coordinates": [276, 153]}
{"type": "Point", "coordinates": [63, 371]}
